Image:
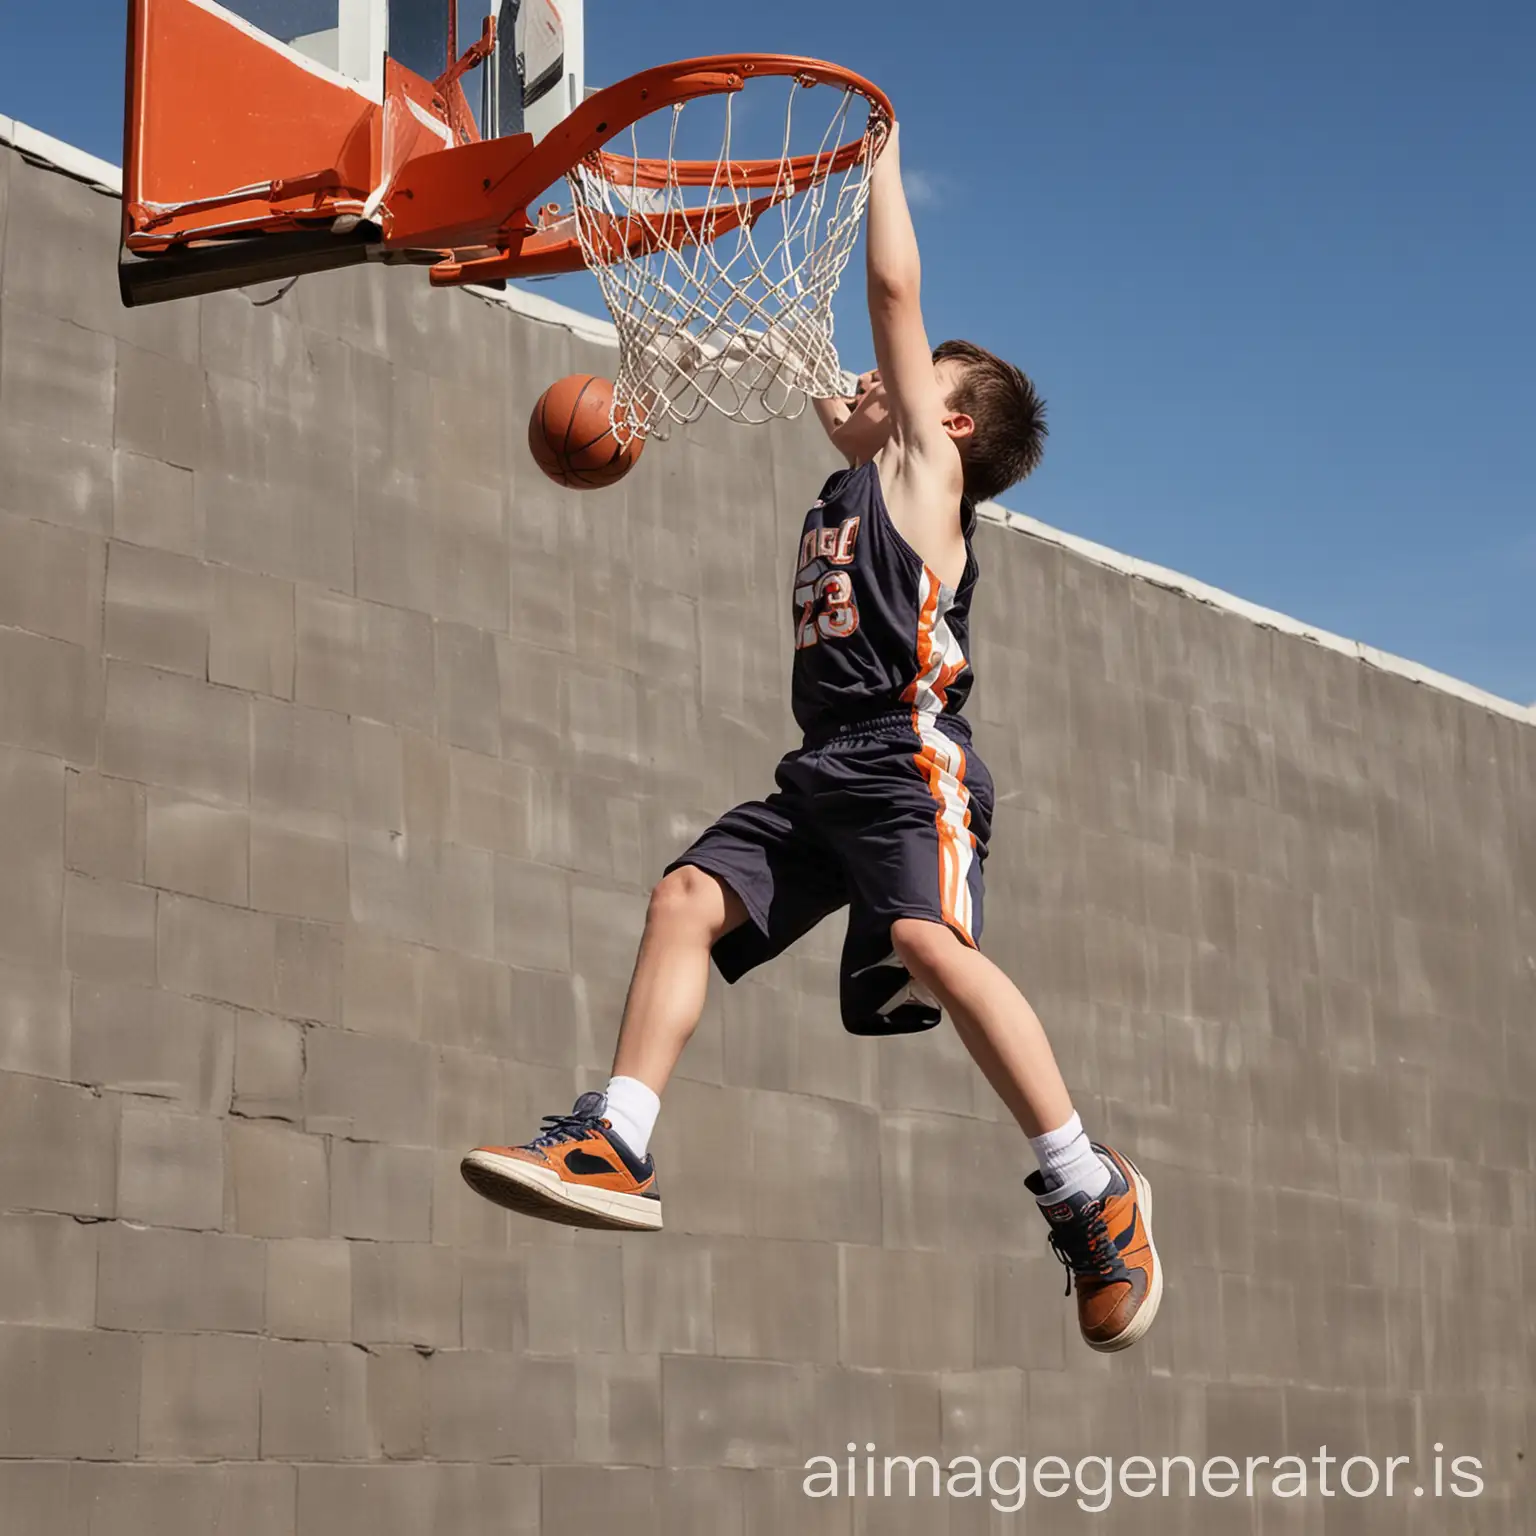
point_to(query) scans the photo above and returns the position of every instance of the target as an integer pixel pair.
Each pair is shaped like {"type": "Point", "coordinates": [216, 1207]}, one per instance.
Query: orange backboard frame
{"type": "Point", "coordinates": [245, 160]}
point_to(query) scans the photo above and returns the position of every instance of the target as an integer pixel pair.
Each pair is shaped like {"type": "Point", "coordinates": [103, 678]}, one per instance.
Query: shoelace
{"type": "Point", "coordinates": [1086, 1249]}
{"type": "Point", "coordinates": [565, 1128]}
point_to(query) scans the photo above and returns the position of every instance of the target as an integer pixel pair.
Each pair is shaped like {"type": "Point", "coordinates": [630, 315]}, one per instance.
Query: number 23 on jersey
{"type": "Point", "coordinates": [825, 603]}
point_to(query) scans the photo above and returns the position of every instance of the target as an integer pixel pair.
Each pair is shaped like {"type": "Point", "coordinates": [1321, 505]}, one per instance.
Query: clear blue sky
{"type": "Point", "coordinates": [1271, 266]}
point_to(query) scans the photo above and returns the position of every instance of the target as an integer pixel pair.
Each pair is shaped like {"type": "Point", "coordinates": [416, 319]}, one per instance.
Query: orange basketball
{"type": "Point", "coordinates": [570, 437]}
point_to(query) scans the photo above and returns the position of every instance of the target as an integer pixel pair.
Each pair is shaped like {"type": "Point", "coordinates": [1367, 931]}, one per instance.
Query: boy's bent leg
{"type": "Point", "coordinates": [591, 1167]}
{"type": "Point", "coordinates": [752, 884]}
{"type": "Point", "coordinates": [1000, 1030]}
{"type": "Point", "coordinates": [1100, 1229]}
{"type": "Point", "coordinates": [690, 911]}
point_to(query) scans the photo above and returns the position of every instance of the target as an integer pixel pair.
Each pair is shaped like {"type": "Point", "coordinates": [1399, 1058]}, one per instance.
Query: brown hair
{"type": "Point", "coordinates": [1009, 439]}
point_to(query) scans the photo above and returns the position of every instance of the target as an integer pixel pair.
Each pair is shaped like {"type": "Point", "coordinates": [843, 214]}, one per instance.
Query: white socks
{"type": "Point", "coordinates": [1069, 1163]}
{"type": "Point", "coordinates": [632, 1110]}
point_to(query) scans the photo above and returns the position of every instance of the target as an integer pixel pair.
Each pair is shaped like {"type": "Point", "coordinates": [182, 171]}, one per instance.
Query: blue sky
{"type": "Point", "coordinates": [1271, 267]}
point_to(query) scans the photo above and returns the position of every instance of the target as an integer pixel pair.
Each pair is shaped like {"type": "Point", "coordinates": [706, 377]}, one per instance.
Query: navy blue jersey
{"type": "Point", "coordinates": [875, 629]}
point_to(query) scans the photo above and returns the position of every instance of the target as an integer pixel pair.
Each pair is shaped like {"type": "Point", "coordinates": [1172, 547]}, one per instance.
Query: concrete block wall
{"type": "Point", "coordinates": [338, 751]}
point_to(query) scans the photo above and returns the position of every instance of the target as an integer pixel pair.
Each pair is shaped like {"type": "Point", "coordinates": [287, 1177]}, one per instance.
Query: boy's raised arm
{"type": "Point", "coordinates": [894, 284]}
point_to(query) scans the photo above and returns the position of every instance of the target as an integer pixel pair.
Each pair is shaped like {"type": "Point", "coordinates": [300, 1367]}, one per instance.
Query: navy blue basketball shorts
{"type": "Point", "coordinates": [888, 818]}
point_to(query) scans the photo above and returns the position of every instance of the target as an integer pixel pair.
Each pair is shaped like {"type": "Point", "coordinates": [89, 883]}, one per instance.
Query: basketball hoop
{"type": "Point", "coordinates": [719, 273]}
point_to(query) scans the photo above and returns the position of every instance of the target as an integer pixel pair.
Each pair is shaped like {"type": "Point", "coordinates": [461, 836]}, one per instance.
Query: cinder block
{"type": "Point", "coordinates": [309, 1288]}
{"type": "Point", "coordinates": [198, 849]}
{"type": "Point", "coordinates": [50, 696]}
{"type": "Point", "coordinates": [402, 1500]}
{"type": "Point", "coordinates": [382, 985]}
{"type": "Point", "coordinates": [153, 1279]}
{"type": "Point", "coordinates": [377, 776]}
{"type": "Point", "coordinates": [697, 1499]}
{"type": "Point", "coordinates": [368, 1089]}
{"type": "Point", "coordinates": [154, 1044]}
{"type": "Point", "coordinates": [734, 1413]}
{"type": "Point", "coordinates": [494, 1313]}
{"type": "Point", "coordinates": [467, 1002]}
{"type": "Point", "coordinates": [907, 1311]}
{"type": "Point", "coordinates": [251, 632]}
{"type": "Point", "coordinates": [215, 951]}
{"type": "Point", "coordinates": [394, 1500]}
{"type": "Point", "coordinates": [599, 1496]}
{"type": "Point", "coordinates": [104, 826]}
{"type": "Point", "coordinates": [792, 1138]}
{"type": "Point", "coordinates": [129, 1500]}
{"type": "Point", "coordinates": [775, 1301]}
{"type": "Point", "coordinates": [364, 659]}
{"type": "Point", "coordinates": [601, 714]}
{"type": "Point", "coordinates": [703, 1141]}
{"type": "Point", "coordinates": [544, 1024]}
{"type": "Point", "coordinates": [308, 959]}
{"type": "Point", "coordinates": [670, 1295]}
{"type": "Point", "coordinates": [379, 1192]}
{"type": "Point", "coordinates": [176, 731]}
{"type": "Point", "coordinates": [109, 930]}
{"type": "Point", "coordinates": [618, 1409]}
{"type": "Point", "coordinates": [50, 580]}
{"type": "Point", "coordinates": [478, 1498]}
{"type": "Point", "coordinates": [57, 378]}
{"type": "Point", "coordinates": [34, 1019]}
{"type": "Point", "coordinates": [271, 518]}
{"type": "Point", "coordinates": [279, 1181]}
{"type": "Point", "coordinates": [269, 1067]}
{"type": "Point", "coordinates": [1014, 1325]}
{"type": "Point", "coordinates": [576, 1305]}
{"type": "Point", "coordinates": [314, 1402]}
{"type": "Point", "coordinates": [478, 1407]}
{"type": "Point", "coordinates": [467, 687]}
{"type": "Point", "coordinates": [469, 1105]}
{"type": "Point", "coordinates": [406, 1293]}
{"type": "Point", "coordinates": [157, 609]}
{"type": "Point", "coordinates": [60, 227]}
{"type": "Point", "coordinates": [397, 1413]}
{"type": "Point", "coordinates": [530, 687]}
{"type": "Point", "coordinates": [171, 1167]}
{"type": "Point", "coordinates": [61, 1147]}
{"type": "Point", "coordinates": [895, 1409]}
{"type": "Point", "coordinates": [36, 1495]}
{"type": "Point", "coordinates": [68, 1394]}
{"type": "Point", "coordinates": [982, 1413]}
{"type": "Point", "coordinates": [299, 865]}
{"type": "Point", "coordinates": [303, 758]}
{"type": "Point", "coordinates": [32, 833]}
{"type": "Point", "coordinates": [489, 802]}
{"type": "Point", "coordinates": [460, 1218]}
{"type": "Point", "coordinates": [47, 1271]}
{"type": "Point", "coordinates": [533, 915]}
{"type": "Point", "coordinates": [200, 1397]}
{"type": "Point", "coordinates": [774, 1499]}
{"type": "Point", "coordinates": [542, 602]}
{"type": "Point", "coordinates": [152, 503]}
{"type": "Point", "coordinates": [464, 919]}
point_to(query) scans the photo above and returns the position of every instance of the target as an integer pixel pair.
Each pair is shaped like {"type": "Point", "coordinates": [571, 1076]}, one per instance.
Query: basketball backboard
{"type": "Point", "coordinates": [271, 137]}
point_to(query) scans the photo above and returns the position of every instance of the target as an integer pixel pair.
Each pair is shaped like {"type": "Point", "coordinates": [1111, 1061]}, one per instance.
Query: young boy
{"type": "Point", "coordinates": [885, 809]}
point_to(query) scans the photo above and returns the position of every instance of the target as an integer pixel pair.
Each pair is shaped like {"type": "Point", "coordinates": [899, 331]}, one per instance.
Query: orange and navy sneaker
{"type": "Point", "coordinates": [577, 1170]}
{"type": "Point", "coordinates": [1105, 1242]}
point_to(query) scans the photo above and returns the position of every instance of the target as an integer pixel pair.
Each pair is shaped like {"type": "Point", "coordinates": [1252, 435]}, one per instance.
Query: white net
{"type": "Point", "coordinates": [740, 323]}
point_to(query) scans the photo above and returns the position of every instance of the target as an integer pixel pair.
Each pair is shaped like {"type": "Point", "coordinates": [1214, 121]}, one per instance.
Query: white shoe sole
{"type": "Point", "coordinates": [1147, 1312]}
{"type": "Point", "coordinates": [533, 1191]}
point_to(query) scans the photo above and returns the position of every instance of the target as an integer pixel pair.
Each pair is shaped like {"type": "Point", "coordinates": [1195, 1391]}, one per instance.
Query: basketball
{"type": "Point", "coordinates": [570, 436]}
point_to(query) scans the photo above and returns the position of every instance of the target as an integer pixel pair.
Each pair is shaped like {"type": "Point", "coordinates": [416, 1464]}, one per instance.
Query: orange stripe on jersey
{"type": "Point", "coordinates": [954, 902]}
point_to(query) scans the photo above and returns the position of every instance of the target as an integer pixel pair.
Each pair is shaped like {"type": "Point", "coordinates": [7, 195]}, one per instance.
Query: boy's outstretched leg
{"type": "Point", "coordinates": [1098, 1203]}
{"type": "Point", "coordinates": [592, 1168]}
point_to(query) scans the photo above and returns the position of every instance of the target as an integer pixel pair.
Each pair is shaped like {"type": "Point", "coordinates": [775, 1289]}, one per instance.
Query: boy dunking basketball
{"type": "Point", "coordinates": [885, 809]}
